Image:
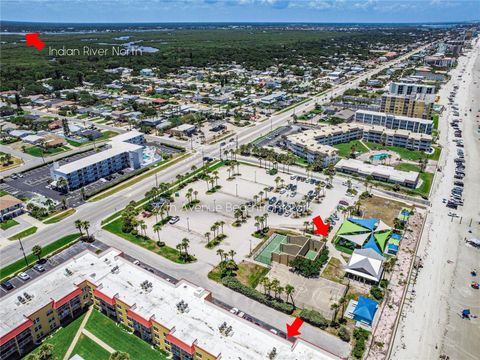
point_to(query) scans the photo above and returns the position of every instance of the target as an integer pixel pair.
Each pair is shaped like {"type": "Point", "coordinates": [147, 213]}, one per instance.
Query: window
{"type": "Point", "coordinates": [36, 320]}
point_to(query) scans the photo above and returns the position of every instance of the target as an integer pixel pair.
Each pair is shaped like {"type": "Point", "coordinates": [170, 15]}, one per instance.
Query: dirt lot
{"type": "Point", "coordinates": [312, 293]}
{"type": "Point", "coordinates": [382, 208]}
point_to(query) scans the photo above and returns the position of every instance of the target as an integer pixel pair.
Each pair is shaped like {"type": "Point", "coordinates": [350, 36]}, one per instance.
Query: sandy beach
{"type": "Point", "coordinates": [431, 326]}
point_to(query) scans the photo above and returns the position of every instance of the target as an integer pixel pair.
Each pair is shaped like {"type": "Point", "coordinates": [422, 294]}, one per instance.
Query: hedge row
{"type": "Point", "coordinates": [315, 318]}
{"type": "Point", "coordinates": [237, 286]}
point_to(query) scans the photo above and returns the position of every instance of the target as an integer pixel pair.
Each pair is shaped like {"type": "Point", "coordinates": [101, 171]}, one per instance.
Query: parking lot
{"type": "Point", "coordinates": [220, 206]}
{"type": "Point", "coordinates": [54, 261]}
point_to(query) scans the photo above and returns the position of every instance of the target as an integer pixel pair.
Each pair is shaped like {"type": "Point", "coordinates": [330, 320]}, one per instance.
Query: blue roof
{"type": "Point", "coordinates": [371, 244]}
{"type": "Point", "coordinates": [396, 236]}
{"type": "Point", "coordinates": [366, 223]}
{"type": "Point", "coordinates": [393, 247]}
{"type": "Point", "coordinates": [365, 310]}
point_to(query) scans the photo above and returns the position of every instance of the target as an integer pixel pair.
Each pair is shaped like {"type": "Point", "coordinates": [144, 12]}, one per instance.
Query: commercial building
{"type": "Point", "coordinates": [10, 207]}
{"type": "Point", "coordinates": [123, 151]}
{"type": "Point", "coordinates": [365, 265]}
{"type": "Point", "coordinates": [184, 129]}
{"type": "Point", "coordinates": [394, 121]}
{"type": "Point", "coordinates": [403, 88]}
{"type": "Point", "coordinates": [415, 106]}
{"type": "Point", "coordinates": [179, 318]}
{"type": "Point", "coordinates": [378, 172]}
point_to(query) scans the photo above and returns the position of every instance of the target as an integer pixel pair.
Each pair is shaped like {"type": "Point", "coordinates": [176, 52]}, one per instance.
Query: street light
{"type": "Point", "coordinates": [188, 224]}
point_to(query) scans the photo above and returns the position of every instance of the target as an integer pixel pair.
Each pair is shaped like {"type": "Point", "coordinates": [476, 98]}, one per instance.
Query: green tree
{"type": "Point", "coordinates": [37, 251]}
{"type": "Point", "coordinates": [117, 355]}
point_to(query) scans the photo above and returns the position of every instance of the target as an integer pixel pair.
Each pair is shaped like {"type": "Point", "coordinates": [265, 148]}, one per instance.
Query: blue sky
{"type": "Point", "coordinates": [240, 10]}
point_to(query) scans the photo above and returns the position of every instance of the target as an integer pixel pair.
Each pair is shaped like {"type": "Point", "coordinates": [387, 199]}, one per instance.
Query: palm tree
{"type": "Point", "coordinates": [195, 194]}
{"type": "Point", "coordinates": [156, 229]}
{"type": "Point", "coordinates": [86, 226]}
{"type": "Point", "coordinates": [207, 236]}
{"type": "Point", "coordinates": [274, 286]}
{"type": "Point", "coordinates": [266, 285]}
{"type": "Point", "coordinates": [79, 226]}
{"type": "Point", "coordinates": [221, 223]}
{"type": "Point", "coordinates": [221, 253]}
{"type": "Point", "coordinates": [232, 253]}
{"type": "Point", "coordinates": [280, 290]}
{"type": "Point", "coordinates": [289, 290]}
{"type": "Point", "coordinates": [185, 244]}
{"type": "Point", "coordinates": [62, 184]}
{"type": "Point", "coordinates": [37, 251]}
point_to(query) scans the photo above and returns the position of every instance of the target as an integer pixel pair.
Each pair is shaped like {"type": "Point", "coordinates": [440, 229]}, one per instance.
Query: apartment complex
{"type": "Point", "coordinates": [415, 106]}
{"type": "Point", "coordinates": [123, 151]}
{"type": "Point", "coordinates": [378, 172]}
{"type": "Point", "coordinates": [312, 143]}
{"type": "Point", "coordinates": [399, 138]}
{"type": "Point", "coordinates": [394, 121]}
{"type": "Point", "coordinates": [404, 88]}
{"type": "Point", "coordinates": [307, 147]}
{"type": "Point", "coordinates": [179, 317]}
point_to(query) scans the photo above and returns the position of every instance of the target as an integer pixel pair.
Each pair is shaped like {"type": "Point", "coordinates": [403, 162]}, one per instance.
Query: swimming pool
{"type": "Point", "coordinates": [378, 157]}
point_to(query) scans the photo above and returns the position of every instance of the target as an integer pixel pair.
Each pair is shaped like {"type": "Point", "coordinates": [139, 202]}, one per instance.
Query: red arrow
{"type": "Point", "coordinates": [321, 227]}
{"type": "Point", "coordinates": [292, 330]}
{"type": "Point", "coordinates": [33, 39]}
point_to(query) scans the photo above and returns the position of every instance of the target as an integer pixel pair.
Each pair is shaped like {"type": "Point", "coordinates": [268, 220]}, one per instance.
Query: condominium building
{"type": "Point", "coordinates": [440, 61]}
{"type": "Point", "coordinates": [404, 88]}
{"type": "Point", "coordinates": [177, 317]}
{"type": "Point", "coordinates": [378, 172]}
{"type": "Point", "coordinates": [399, 138]}
{"type": "Point", "coordinates": [391, 121]}
{"type": "Point", "coordinates": [305, 145]}
{"type": "Point", "coordinates": [415, 106]}
{"type": "Point", "coordinates": [123, 151]}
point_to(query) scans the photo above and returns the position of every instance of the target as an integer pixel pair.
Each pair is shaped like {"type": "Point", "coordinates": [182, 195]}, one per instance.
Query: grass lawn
{"type": "Point", "coordinates": [334, 270]}
{"type": "Point", "coordinates": [407, 167]}
{"type": "Point", "coordinates": [119, 339]}
{"type": "Point", "coordinates": [436, 155]}
{"type": "Point", "coordinates": [251, 274]}
{"type": "Point", "coordinates": [8, 224]}
{"type": "Point", "coordinates": [89, 349]}
{"type": "Point", "coordinates": [38, 151]}
{"type": "Point", "coordinates": [3, 193]}
{"type": "Point", "coordinates": [46, 250]}
{"type": "Point", "coordinates": [132, 181]}
{"type": "Point", "coordinates": [435, 120]}
{"type": "Point", "coordinates": [404, 153]}
{"type": "Point", "coordinates": [344, 150]}
{"type": "Point", "coordinates": [62, 338]}
{"type": "Point", "coordinates": [167, 252]}
{"type": "Point", "coordinates": [30, 231]}
{"type": "Point", "coordinates": [105, 136]}
{"type": "Point", "coordinates": [59, 217]}
{"type": "Point", "coordinates": [14, 162]}
{"type": "Point", "coordinates": [427, 179]}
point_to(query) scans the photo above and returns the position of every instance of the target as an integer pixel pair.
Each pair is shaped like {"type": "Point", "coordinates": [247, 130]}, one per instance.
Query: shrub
{"type": "Point", "coordinates": [344, 334]}
{"type": "Point", "coordinates": [314, 317]}
{"type": "Point", "coordinates": [234, 284]}
{"type": "Point", "coordinates": [360, 335]}
{"type": "Point", "coordinates": [377, 293]}
{"type": "Point", "coordinates": [384, 283]}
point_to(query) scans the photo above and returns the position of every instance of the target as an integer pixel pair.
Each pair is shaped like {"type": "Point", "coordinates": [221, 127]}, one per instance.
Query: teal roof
{"type": "Point", "coordinates": [366, 223]}
{"type": "Point", "coordinates": [365, 310]}
{"type": "Point", "coordinates": [371, 244]}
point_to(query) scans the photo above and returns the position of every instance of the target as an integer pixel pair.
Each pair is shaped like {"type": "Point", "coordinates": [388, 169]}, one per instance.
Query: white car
{"type": "Point", "coordinates": [23, 276]}
{"type": "Point", "coordinates": [234, 311]}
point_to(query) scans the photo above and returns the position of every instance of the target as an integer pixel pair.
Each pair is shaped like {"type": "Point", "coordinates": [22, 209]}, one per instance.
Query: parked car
{"type": "Point", "coordinates": [23, 276]}
{"type": "Point", "coordinates": [174, 220]}
{"type": "Point", "coordinates": [39, 268]}
{"type": "Point", "coordinates": [7, 285]}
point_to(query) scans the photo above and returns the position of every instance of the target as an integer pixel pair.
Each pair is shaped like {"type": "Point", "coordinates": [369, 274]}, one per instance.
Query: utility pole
{"type": "Point", "coordinates": [23, 250]}
{"type": "Point", "coordinates": [188, 224]}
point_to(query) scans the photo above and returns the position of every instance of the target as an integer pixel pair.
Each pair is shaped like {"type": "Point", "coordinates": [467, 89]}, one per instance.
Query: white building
{"type": "Point", "coordinates": [378, 172]}
{"type": "Point", "coordinates": [392, 121]}
{"type": "Point", "coordinates": [123, 151]}
{"type": "Point", "coordinates": [365, 264]}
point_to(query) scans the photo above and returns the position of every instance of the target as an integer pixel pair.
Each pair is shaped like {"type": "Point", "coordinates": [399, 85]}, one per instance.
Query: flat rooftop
{"type": "Point", "coordinates": [399, 117]}
{"type": "Point", "coordinates": [379, 170]}
{"type": "Point", "coordinates": [199, 324]}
